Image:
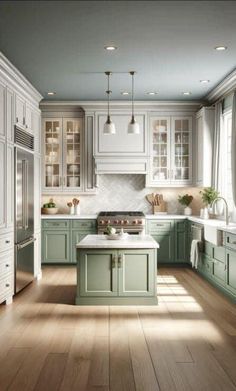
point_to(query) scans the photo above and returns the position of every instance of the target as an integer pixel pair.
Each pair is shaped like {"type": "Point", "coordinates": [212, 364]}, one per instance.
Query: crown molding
{"type": "Point", "coordinates": [126, 105]}
{"type": "Point", "coordinates": [227, 85]}
{"type": "Point", "coordinates": [15, 78]}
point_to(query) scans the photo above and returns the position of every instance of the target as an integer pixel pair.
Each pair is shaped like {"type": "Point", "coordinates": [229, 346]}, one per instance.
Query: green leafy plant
{"type": "Point", "coordinates": [209, 194]}
{"type": "Point", "coordinates": [50, 204]}
{"type": "Point", "coordinates": [185, 200]}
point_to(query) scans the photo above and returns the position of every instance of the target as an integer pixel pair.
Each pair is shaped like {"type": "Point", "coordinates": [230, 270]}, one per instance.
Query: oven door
{"type": "Point", "coordinates": [130, 231]}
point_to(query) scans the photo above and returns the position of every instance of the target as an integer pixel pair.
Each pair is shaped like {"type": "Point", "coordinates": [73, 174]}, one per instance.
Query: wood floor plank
{"type": "Point", "coordinates": [52, 373]}
{"type": "Point", "coordinates": [185, 343]}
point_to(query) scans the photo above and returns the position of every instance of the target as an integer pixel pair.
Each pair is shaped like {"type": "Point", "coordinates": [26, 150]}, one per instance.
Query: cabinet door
{"type": "Point", "coordinates": [2, 110]}
{"type": "Point", "coordinates": [98, 273]}
{"type": "Point", "coordinates": [199, 151]}
{"type": "Point", "coordinates": [36, 120]}
{"type": "Point", "coordinates": [52, 153]}
{"type": "Point", "coordinates": [166, 251]}
{"type": "Point", "coordinates": [10, 115]}
{"type": "Point", "coordinates": [231, 270]}
{"type": "Point", "coordinates": [181, 150]}
{"type": "Point", "coordinates": [72, 154]}
{"type": "Point", "coordinates": [56, 247]}
{"type": "Point", "coordinates": [2, 184]}
{"type": "Point", "coordinates": [218, 272]}
{"type": "Point", "coordinates": [180, 243]}
{"type": "Point", "coordinates": [28, 118]}
{"type": "Point", "coordinates": [10, 186]}
{"type": "Point", "coordinates": [77, 236]}
{"type": "Point", "coordinates": [37, 192]}
{"type": "Point", "coordinates": [20, 111]}
{"type": "Point", "coordinates": [137, 272]}
{"type": "Point", "coordinates": [160, 150]}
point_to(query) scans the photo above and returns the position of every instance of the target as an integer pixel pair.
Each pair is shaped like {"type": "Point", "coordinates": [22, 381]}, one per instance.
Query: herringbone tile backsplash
{"type": "Point", "coordinates": [126, 192]}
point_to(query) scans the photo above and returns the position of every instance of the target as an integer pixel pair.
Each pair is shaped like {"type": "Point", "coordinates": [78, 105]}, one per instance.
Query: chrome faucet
{"type": "Point", "coordinates": [226, 208]}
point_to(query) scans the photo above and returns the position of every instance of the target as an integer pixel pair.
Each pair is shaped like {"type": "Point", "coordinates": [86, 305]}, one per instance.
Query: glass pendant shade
{"type": "Point", "coordinates": [133, 127]}
{"type": "Point", "coordinates": [109, 127]}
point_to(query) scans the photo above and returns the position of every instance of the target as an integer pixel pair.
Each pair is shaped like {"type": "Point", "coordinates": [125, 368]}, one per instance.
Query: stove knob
{"type": "Point", "coordinates": [121, 222]}
{"type": "Point", "coordinates": [140, 221]}
{"type": "Point", "coordinates": [116, 221]}
{"type": "Point", "coordinates": [135, 222]}
{"type": "Point", "coordinates": [126, 221]}
{"type": "Point", "coordinates": [102, 222]}
{"type": "Point", "coordinates": [107, 222]}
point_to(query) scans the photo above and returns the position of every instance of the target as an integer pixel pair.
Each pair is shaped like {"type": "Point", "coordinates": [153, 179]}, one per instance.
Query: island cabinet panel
{"type": "Point", "coordinates": [77, 236]}
{"type": "Point", "coordinates": [136, 273]}
{"type": "Point", "coordinates": [163, 233]}
{"type": "Point", "coordinates": [56, 246]}
{"type": "Point", "coordinates": [98, 273]}
{"type": "Point", "coordinates": [231, 271]}
{"type": "Point", "coordinates": [116, 276]}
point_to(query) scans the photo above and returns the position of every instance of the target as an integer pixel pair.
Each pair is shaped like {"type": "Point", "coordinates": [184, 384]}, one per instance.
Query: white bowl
{"type": "Point", "coordinates": [49, 211]}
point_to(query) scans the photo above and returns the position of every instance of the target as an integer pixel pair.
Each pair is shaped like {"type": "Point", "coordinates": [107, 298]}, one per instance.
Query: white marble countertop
{"type": "Point", "coordinates": [166, 216]}
{"type": "Point", "coordinates": [132, 241]}
{"type": "Point", "coordinates": [68, 216]}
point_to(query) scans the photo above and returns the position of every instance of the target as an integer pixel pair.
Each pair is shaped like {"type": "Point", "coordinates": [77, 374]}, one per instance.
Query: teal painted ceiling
{"type": "Point", "coordinates": [59, 46]}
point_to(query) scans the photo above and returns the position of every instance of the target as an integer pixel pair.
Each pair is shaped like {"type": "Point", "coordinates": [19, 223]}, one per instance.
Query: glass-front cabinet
{"type": "Point", "coordinates": [170, 151]}
{"type": "Point", "coordinates": [62, 154]}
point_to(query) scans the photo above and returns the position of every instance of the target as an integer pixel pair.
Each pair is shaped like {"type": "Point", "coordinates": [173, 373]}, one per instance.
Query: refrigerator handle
{"type": "Point", "coordinates": [23, 194]}
{"type": "Point", "coordinates": [26, 194]}
{"type": "Point", "coordinates": [25, 244]}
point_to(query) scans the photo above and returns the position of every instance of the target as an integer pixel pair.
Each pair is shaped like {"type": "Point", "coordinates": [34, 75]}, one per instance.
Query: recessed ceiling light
{"type": "Point", "coordinates": [186, 93]}
{"type": "Point", "coordinates": [125, 93]}
{"type": "Point", "coordinates": [110, 47]}
{"type": "Point", "coordinates": [220, 48]}
{"type": "Point", "coordinates": [204, 81]}
{"type": "Point", "coordinates": [152, 93]}
{"type": "Point", "coordinates": [51, 93]}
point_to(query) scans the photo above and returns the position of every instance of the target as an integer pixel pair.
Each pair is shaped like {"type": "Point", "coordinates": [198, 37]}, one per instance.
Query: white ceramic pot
{"type": "Point", "coordinates": [77, 209]}
{"type": "Point", "coordinates": [187, 211]}
{"type": "Point", "coordinates": [72, 210]}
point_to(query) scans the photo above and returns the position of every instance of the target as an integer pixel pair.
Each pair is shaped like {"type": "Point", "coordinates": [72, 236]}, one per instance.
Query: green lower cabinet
{"type": "Point", "coordinates": [97, 273]}
{"type": "Point", "coordinates": [166, 251]}
{"type": "Point", "coordinates": [231, 271]}
{"type": "Point", "coordinates": [116, 277]}
{"type": "Point", "coordinates": [77, 236]}
{"type": "Point", "coordinates": [181, 242]}
{"type": "Point", "coordinates": [218, 272]}
{"type": "Point", "coordinates": [55, 246]}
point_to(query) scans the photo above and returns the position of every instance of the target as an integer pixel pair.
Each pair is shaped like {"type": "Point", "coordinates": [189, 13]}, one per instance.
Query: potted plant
{"type": "Point", "coordinates": [186, 200]}
{"type": "Point", "coordinates": [50, 208]}
{"type": "Point", "coordinates": [209, 194]}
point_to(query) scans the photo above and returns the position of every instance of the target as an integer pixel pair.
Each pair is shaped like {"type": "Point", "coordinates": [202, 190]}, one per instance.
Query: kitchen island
{"type": "Point", "coordinates": [117, 272]}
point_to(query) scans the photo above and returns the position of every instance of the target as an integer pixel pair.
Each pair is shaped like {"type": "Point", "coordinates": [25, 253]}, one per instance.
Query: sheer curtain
{"type": "Point", "coordinates": [233, 148]}
{"type": "Point", "coordinates": [216, 156]}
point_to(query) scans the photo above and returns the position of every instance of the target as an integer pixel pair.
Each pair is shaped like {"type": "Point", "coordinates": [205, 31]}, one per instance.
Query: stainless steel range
{"type": "Point", "coordinates": [131, 222]}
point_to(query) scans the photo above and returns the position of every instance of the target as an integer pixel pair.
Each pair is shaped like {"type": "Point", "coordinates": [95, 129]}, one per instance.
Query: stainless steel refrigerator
{"type": "Point", "coordinates": [24, 214]}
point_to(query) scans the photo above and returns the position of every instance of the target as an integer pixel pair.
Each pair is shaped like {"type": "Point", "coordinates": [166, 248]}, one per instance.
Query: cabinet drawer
{"type": "Point", "coordinates": [6, 242]}
{"type": "Point", "coordinates": [219, 272]}
{"type": "Point", "coordinates": [219, 254]}
{"type": "Point", "coordinates": [56, 224]}
{"type": "Point", "coordinates": [84, 225]}
{"type": "Point", "coordinates": [208, 247]}
{"type": "Point", "coordinates": [230, 241]}
{"type": "Point", "coordinates": [6, 287]}
{"type": "Point", "coordinates": [157, 225]}
{"type": "Point", "coordinates": [207, 265]}
{"type": "Point", "coordinates": [6, 263]}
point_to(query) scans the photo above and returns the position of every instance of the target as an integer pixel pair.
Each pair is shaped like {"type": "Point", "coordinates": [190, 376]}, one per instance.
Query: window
{"type": "Point", "coordinates": [226, 172]}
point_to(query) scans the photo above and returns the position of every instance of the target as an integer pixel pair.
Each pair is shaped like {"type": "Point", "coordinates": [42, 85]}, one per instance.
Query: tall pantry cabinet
{"type": "Point", "coordinates": [19, 103]}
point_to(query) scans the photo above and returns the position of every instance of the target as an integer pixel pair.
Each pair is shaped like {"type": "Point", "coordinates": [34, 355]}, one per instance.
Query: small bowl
{"type": "Point", "coordinates": [49, 211]}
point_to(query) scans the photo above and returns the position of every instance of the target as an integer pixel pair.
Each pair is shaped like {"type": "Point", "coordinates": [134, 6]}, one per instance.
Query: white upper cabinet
{"type": "Point", "coordinates": [121, 143]}
{"type": "Point", "coordinates": [23, 114]}
{"type": "Point", "coordinates": [67, 163]}
{"type": "Point", "coordinates": [205, 120]}
{"type": "Point", "coordinates": [2, 110]}
{"type": "Point", "coordinates": [170, 143]}
{"type": "Point", "coordinates": [10, 115]}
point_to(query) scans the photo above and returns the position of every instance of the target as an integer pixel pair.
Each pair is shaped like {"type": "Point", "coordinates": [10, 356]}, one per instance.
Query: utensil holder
{"type": "Point", "coordinates": [159, 208]}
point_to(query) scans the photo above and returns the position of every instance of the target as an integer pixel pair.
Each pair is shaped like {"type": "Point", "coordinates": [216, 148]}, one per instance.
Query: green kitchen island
{"type": "Point", "coordinates": [117, 272]}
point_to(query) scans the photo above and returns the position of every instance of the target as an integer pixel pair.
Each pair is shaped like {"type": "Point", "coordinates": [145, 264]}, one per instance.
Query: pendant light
{"type": "Point", "coordinates": [109, 126]}
{"type": "Point", "coordinates": [133, 127]}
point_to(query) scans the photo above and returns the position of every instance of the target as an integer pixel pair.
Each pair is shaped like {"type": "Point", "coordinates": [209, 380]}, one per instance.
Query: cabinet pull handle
{"type": "Point", "coordinates": [119, 261]}
{"type": "Point", "coordinates": [23, 120]}
{"type": "Point", "coordinates": [113, 262]}
{"type": "Point", "coordinates": [7, 265]}
{"type": "Point", "coordinates": [7, 241]}
{"type": "Point", "coordinates": [7, 285]}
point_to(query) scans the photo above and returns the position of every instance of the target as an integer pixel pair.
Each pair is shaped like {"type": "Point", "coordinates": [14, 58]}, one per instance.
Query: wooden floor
{"type": "Point", "coordinates": [187, 342]}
